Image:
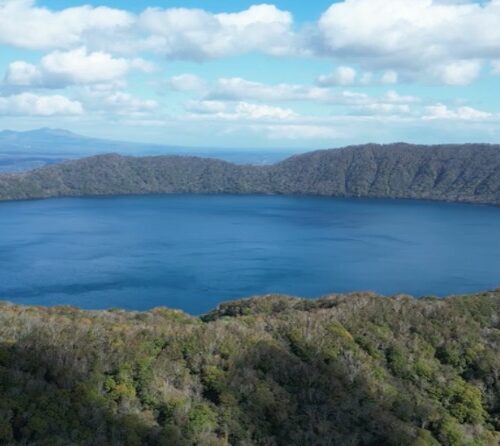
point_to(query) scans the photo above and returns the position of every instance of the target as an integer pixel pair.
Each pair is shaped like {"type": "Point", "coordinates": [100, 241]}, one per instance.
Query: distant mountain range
{"type": "Point", "coordinates": [462, 173]}
{"type": "Point", "coordinates": [20, 151]}
{"type": "Point", "coordinates": [47, 141]}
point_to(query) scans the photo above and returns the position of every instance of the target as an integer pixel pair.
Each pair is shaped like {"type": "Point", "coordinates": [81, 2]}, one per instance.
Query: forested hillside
{"type": "Point", "coordinates": [465, 173]}
{"type": "Point", "coordinates": [343, 370]}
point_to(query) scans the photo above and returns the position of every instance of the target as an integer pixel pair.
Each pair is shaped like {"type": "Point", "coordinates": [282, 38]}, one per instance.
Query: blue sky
{"type": "Point", "coordinates": [302, 10]}
{"type": "Point", "coordinates": [243, 74]}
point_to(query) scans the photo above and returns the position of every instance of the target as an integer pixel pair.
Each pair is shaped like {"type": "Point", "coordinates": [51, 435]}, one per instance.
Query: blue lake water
{"type": "Point", "coordinates": [193, 252]}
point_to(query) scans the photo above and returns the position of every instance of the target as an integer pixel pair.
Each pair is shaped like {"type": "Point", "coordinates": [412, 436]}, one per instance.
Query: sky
{"type": "Point", "coordinates": [242, 74]}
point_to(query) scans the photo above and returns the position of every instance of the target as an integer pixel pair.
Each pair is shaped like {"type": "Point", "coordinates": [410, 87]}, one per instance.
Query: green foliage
{"type": "Point", "coordinates": [356, 369]}
{"type": "Point", "coordinates": [201, 418]}
{"type": "Point", "coordinates": [389, 171]}
{"type": "Point", "coordinates": [424, 370]}
{"type": "Point", "coordinates": [396, 361]}
{"type": "Point", "coordinates": [172, 435]}
{"type": "Point", "coordinates": [451, 354]}
{"type": "Point", "coordinates": [450, 433]}
{"type": "Point", "coordinates": [425, 438]}
{"type": "Point", "coordinates": [465, 402]}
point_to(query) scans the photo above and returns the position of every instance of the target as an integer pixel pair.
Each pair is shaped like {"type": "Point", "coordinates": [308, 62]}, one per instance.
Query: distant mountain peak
{"type": "Point", "coordinates": [43, 131]}
{"type": "Point", "coordinates": [54, 132]}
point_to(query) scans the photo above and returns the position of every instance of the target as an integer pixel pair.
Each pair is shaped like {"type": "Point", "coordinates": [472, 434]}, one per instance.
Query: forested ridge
{"type": "Point", "coordinates": [356, 369]}
{"type": "Point", "coordinates": [463, 173]}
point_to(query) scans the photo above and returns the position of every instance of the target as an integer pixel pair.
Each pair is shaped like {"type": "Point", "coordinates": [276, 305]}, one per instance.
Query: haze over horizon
{"type": "Point", "coordinates": [246, 75]}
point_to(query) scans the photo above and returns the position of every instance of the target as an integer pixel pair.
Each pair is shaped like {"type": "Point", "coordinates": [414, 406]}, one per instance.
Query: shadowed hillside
{"type": "Point", "coordinates": [464, 173]}
{"type": "Point", "coordinates": [353, 369]}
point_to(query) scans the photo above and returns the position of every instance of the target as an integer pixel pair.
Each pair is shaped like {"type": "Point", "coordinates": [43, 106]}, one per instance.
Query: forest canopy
{"type": "Point", "coordinates": [356, 369]}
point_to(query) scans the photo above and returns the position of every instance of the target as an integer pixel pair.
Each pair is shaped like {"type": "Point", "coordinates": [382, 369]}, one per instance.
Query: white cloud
{"type": "Point", "coordinates": [238, 89]}
{"type": "Point", "coordinates": [394, 98]}
{"type": "Point", "coordinates": [22, 73]}
{"type": "Point", "coordinates": [24, 25]}
{"type": "Point", "coordinates": [418, 37]}
{"type": "Point", "coordinates": [128, 103]}
{"type": "Point", "coordinates": [389, 77]}
{"type": "Point", "coordinates": [259, 111]}
{"type": "Point", "coordinates": [238, 111]}
{"type": "Point", "coordinates": [61, 68]}
{"type": "Point", "coordinates": [182, 33]}
{"type": "Point", "coordinates": [366, 78]}
{"type": "Point", "coordinates": [386, 108]}
{"type": "Point", "coordinates": [391, 103]}
{"type": "Point", "coordinates": [197, 34]}
{"type": "Point", "coordinates": [410, 39]}
{"type": "Point", "coordinates": [341, 76]}
{"type": "Point", "coordinates": [186, 82]}
{"type": "Point", "coordinates": [298, 132]}
{"type": "Point", "coordinates": [117, 102]}
{"type": "Point", "coordinates": [279, 123]}
{"type": "Point", "coordinates": [263, 14]}
{"type": "Point", "coordinates": [345, 76]}
{"type": "Point", "coordinates": [442, 112]}
{"type": "Point", "coordinates": [29, 104]}
{"type": "Point", "coordinates": [460, 73]}
{"type": "Point", "coordinates": [206, 107]}
{"type": "Point", "coordinates": [235, 88]}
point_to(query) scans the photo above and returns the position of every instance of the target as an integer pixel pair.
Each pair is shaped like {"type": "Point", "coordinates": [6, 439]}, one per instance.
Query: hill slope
{"type": "Point", "coordinates": [467, 173]}
{"type": "Point", "coordinates": [343, 370]}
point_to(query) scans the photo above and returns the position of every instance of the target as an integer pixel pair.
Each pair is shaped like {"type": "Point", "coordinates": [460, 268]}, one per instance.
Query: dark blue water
{"type": "Point", "coordinates": [192, 252]}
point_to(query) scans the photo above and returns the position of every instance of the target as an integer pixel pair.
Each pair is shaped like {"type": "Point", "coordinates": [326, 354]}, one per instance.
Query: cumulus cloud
{"type": "Point", "coordinates": [341, 76]}
{"type": "Point", "coordinates": [22, 73]}
{"type": "Point", "coordinates": [119, 103]}
{"type": "Point", "coordinates": [464, 113]}
{"type": "Point", "coordinates": [294, 128]}
{"type": "Point", "coordinates": [298, 132]}
{"type": "Point", "coordinates": [345, 76]}
{"type": "Point", "coordinates": [389, 77]}
{"type": "Point", "coordinates": [459, 73]}
{"type": "Point", "coordinates": [25, 25]}
{"type": "Point", "coordinates": [284, 123]}
{"type": "Point", "coordinates": [181, 33]}
{"type": "Point", "coordinates": [127, 103]}
{"type": "Point", "coordinates": [379, 43]}
{"type": "Point", "coordinates": [186, 82]}
{"type": "Point", "coordinates": [238, 89]}
{"type": "Point", "coordinates": [238, 111]}
{"type": "Point", "coordinates": [259, 111]}
{"type": "Point", "coordinates": [391, 103]}
{"type": "Point", "coordinates": [29, 104]}
{"type": "Point", "coordinates": [378, 108]}
{"type": "Point", "coordinates": [423, 37]}
{"type": "Point", "coordinates": [197, 34]}
{"type": "Point", "coordinates": [206, 107]}
{"type": "Point", "coordinates": [62, 68]}
{"type": "Point", "coordinates": [411, 39]}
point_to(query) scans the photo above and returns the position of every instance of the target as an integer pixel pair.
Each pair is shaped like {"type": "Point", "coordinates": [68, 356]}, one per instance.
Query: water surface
{"type": "Point", "coordinates": [192, 252]}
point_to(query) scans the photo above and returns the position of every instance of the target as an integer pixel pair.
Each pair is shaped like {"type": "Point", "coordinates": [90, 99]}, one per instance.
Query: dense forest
{"type": "Point", "coordinates": [465, 173]}
{"type": "Point", "coordinates": [355, 369]}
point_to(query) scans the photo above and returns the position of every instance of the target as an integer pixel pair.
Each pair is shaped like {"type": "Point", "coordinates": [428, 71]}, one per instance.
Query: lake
{"type": "Point", "coordinates": [193, 252]}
